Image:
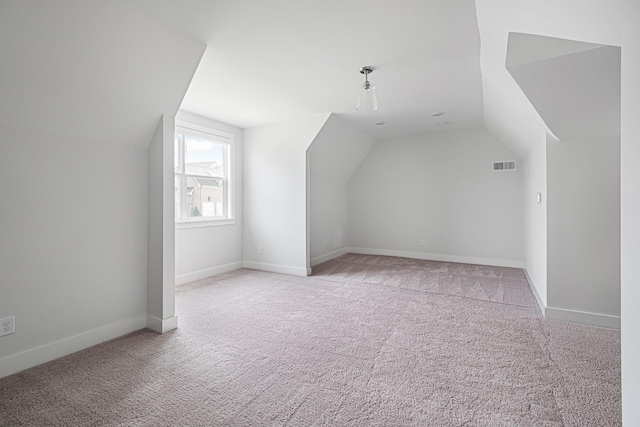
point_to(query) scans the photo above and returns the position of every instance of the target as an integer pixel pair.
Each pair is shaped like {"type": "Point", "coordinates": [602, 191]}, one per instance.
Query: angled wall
{"type": "Point", "coordinates": [334, 154]}
{"type": "Point", "coordinates": [82, 94]}
{"type": "Point", "coordinates": [575, 88]}
{"type": "Point", "coordinates": [275, 195]}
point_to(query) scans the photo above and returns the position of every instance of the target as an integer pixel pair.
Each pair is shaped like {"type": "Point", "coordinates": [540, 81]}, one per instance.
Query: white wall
{"type": "Point", "coordinates": [584, 229]}
{"type": "Point", "coordinates": [440, 188]}
{"type": "Point", "coordinates": [82, 94]}
{"type": "Point", "coordinates": [630, 226]}
{"type": "Point", "coordinates": [161, 307]}
{"type": "Point", "coordinates": [209, 250]}
{"type": "Point", "coordinates": [534, 178]}
{"type": "Point", "coordinates": [73, 243]}
{"type": "Point", "coordinates": [332, 157]}
{"type": "Point", "coordinates": [275, 194]}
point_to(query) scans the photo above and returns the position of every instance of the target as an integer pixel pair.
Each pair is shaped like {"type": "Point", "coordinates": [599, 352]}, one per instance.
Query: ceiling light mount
{"type": "Point", "coordinates": [367, 100]}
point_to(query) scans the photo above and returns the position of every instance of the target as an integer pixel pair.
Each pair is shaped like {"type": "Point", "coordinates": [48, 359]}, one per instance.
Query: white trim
{"type": "Point", "coordinates": [582, 317]}
{"type": "Point", "coordinates": [495, 262]}
{"type": "Point", "coordinates": [326, 257]}
{"type": "Point", "coordinates": [202, 131]}
{"type": "Point", "coordinates": [182, 224]}
{"type": "Point", "coordinates": [161, 326]}
{"type": "Point", "coordinates": [213, 134]}
{"type": "Point", "coordinates": [532, 285]}
{"type": "Point", "coordinates": [274, 268]}
{"type": "Point", "coordinates": [45, 353]}
{"type": "Point", "coordinates": [197, 275]}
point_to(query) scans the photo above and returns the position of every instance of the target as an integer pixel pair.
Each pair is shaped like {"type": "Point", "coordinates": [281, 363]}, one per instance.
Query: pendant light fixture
{"type": "Point", "coordinates": [367, 100]}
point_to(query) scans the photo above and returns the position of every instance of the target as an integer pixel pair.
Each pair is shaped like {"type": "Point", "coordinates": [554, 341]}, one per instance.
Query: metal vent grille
{"type": "Point", "coordinates": [509, 165]}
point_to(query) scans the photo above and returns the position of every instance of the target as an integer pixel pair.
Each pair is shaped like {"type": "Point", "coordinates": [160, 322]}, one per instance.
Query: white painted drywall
{"type": "Point", "coordinates": [275, 194]}
{"type": "Point", "coordinates": [583, 181]}
{"type": "Point", "coordinates": [440, 188]}
{"type": "Point", "coordinates": [534, 181]}
{"type": "Point", "coordinates": [95, 69]}
{"type": "Point", "coordinates": [73, 243]}
{"type": "Point", "coordinates": [161, 240]}
{"type": "Point", "coordinates": [209, 250]}
{"type": "Point", "coordinates": [630, 223]}
{"type": "Point", "coordinates": [576, 93]}
{"type": "Point", "coordinates": [82, 94]}
{"type": "Point", "coordinates": [508, 114]}
{"type": "Point", "coordinates": [332, 157]}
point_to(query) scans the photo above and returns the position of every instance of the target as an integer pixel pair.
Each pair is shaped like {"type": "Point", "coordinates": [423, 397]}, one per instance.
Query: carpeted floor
{"type": "Point", "coordinates": [366, 341]}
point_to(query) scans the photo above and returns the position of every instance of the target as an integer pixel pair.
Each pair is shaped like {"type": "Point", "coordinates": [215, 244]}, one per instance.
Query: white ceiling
{"type": "Point", "coordinates": [508, 114]}
{"type": "Point", "coordinates": [95, 70]}
{"type": "Point", "coordinates": [574, 86]}
{"type": "Point", "coordinates": [272, 61]}
{"type": "Point", "coordinates": [106, 69]}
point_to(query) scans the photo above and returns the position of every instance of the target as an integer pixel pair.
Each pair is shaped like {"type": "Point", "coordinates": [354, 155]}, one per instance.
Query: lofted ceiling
{"type": "Point", "coordinates": [90, 69]}
{"type": "Point", "coordinates": [272, 61]}
{"type": "Point", "coordinates": [508, 114]}
{"type": "Point", "coordinates": [574, 86]}
{"type": "Point", "coordinates": [107, 69]}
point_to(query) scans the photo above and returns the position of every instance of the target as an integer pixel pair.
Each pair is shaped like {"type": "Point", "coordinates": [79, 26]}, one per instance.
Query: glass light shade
{"type": "Point", "coordinates": [367, 100]}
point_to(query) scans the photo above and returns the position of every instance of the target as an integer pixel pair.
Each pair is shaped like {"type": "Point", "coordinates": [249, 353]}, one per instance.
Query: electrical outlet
{"type": "Point", "coordinates": [260, 250]}
{"type": "Point", "coordinates": [421, 242]}
{"type": "Point", "coordinates": [7, 326]}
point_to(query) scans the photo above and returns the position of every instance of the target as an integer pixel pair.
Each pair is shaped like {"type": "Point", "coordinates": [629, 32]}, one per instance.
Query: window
{"type": "Point", "coordinates": [202, 162]}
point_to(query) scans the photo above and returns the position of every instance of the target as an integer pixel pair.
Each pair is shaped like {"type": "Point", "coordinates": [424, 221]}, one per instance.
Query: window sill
{"type": "Point", "coordinates": [204, 223]}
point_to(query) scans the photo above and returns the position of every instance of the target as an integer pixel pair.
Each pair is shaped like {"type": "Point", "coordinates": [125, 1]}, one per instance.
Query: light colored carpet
{"type": "Point", "coordinates": [368, 341]}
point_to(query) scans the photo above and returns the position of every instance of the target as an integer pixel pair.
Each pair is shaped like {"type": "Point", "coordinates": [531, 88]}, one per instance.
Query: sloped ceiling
{"type": "Point", "coordinates": [100, 70]}
{"type": "Point", "coordinates": [108, 69]}
{"type": "Point", "coordinates": [270, 61]}
{"type": "Point", "coordinates": [508, 114]}
{"type": "Point", "coordinates": [574, 86]}
{"type": "Point", "coordinates": [338, 149]}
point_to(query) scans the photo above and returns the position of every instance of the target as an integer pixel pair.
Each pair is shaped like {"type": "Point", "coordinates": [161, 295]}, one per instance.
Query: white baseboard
{"type": "Point", "coordinates": [439, 257]}
{"type": "Point", "coordinates": [161, 326]}
{"type": "Point", "coordinates": [45, 353]}
{"type": "Point", "coordinates": [326, 257]}
{"type": "Point", "coordinates": [274, 268]}
{"type": "Point", "coordinates": [197, 275]}
{"type": "Point", "coordinates": [584, 318]}
{"type": "Point", "coordinates": [534, 289]}
{"type": "Point", "coordinates": [573, 316]}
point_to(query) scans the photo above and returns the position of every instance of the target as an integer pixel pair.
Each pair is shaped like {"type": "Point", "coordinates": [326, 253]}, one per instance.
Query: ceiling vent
{"type": "Point", "coordinates": [509, 165]}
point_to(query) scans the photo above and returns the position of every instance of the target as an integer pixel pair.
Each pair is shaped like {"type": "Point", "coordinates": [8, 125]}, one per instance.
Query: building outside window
{"type": "Point", "coordinates": [202, 163]}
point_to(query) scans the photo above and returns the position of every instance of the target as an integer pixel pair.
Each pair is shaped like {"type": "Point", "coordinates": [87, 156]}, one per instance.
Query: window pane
{"type": "Point", "coordinates": [176, 185]}
{"type": "Point", "coordinates": [205, 197]}
{"type": "Point", "coordinates": [176, 153]}
{"type": "Point", "coordinates": [204, 158]}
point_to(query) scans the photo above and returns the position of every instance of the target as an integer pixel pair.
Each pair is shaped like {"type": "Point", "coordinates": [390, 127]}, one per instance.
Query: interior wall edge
{"type": "Point", "coordinates": [534, 289]}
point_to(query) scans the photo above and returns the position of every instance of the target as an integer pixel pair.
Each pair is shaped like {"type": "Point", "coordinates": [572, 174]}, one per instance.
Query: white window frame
{"type": "Point", "coordinates": [216, 135]}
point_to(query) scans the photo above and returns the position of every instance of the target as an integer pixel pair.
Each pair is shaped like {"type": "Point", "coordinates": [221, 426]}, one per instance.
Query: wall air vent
{"type": "Point", "coordinates": [509, 165]}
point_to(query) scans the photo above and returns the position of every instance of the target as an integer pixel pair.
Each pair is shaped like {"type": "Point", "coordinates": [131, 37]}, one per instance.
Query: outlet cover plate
{"type": "Point", "coordinates": [7, 326]}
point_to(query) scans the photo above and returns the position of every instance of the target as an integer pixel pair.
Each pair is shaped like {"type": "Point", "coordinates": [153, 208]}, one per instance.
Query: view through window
{"type": "Point", "coordinates": [201, 164]}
